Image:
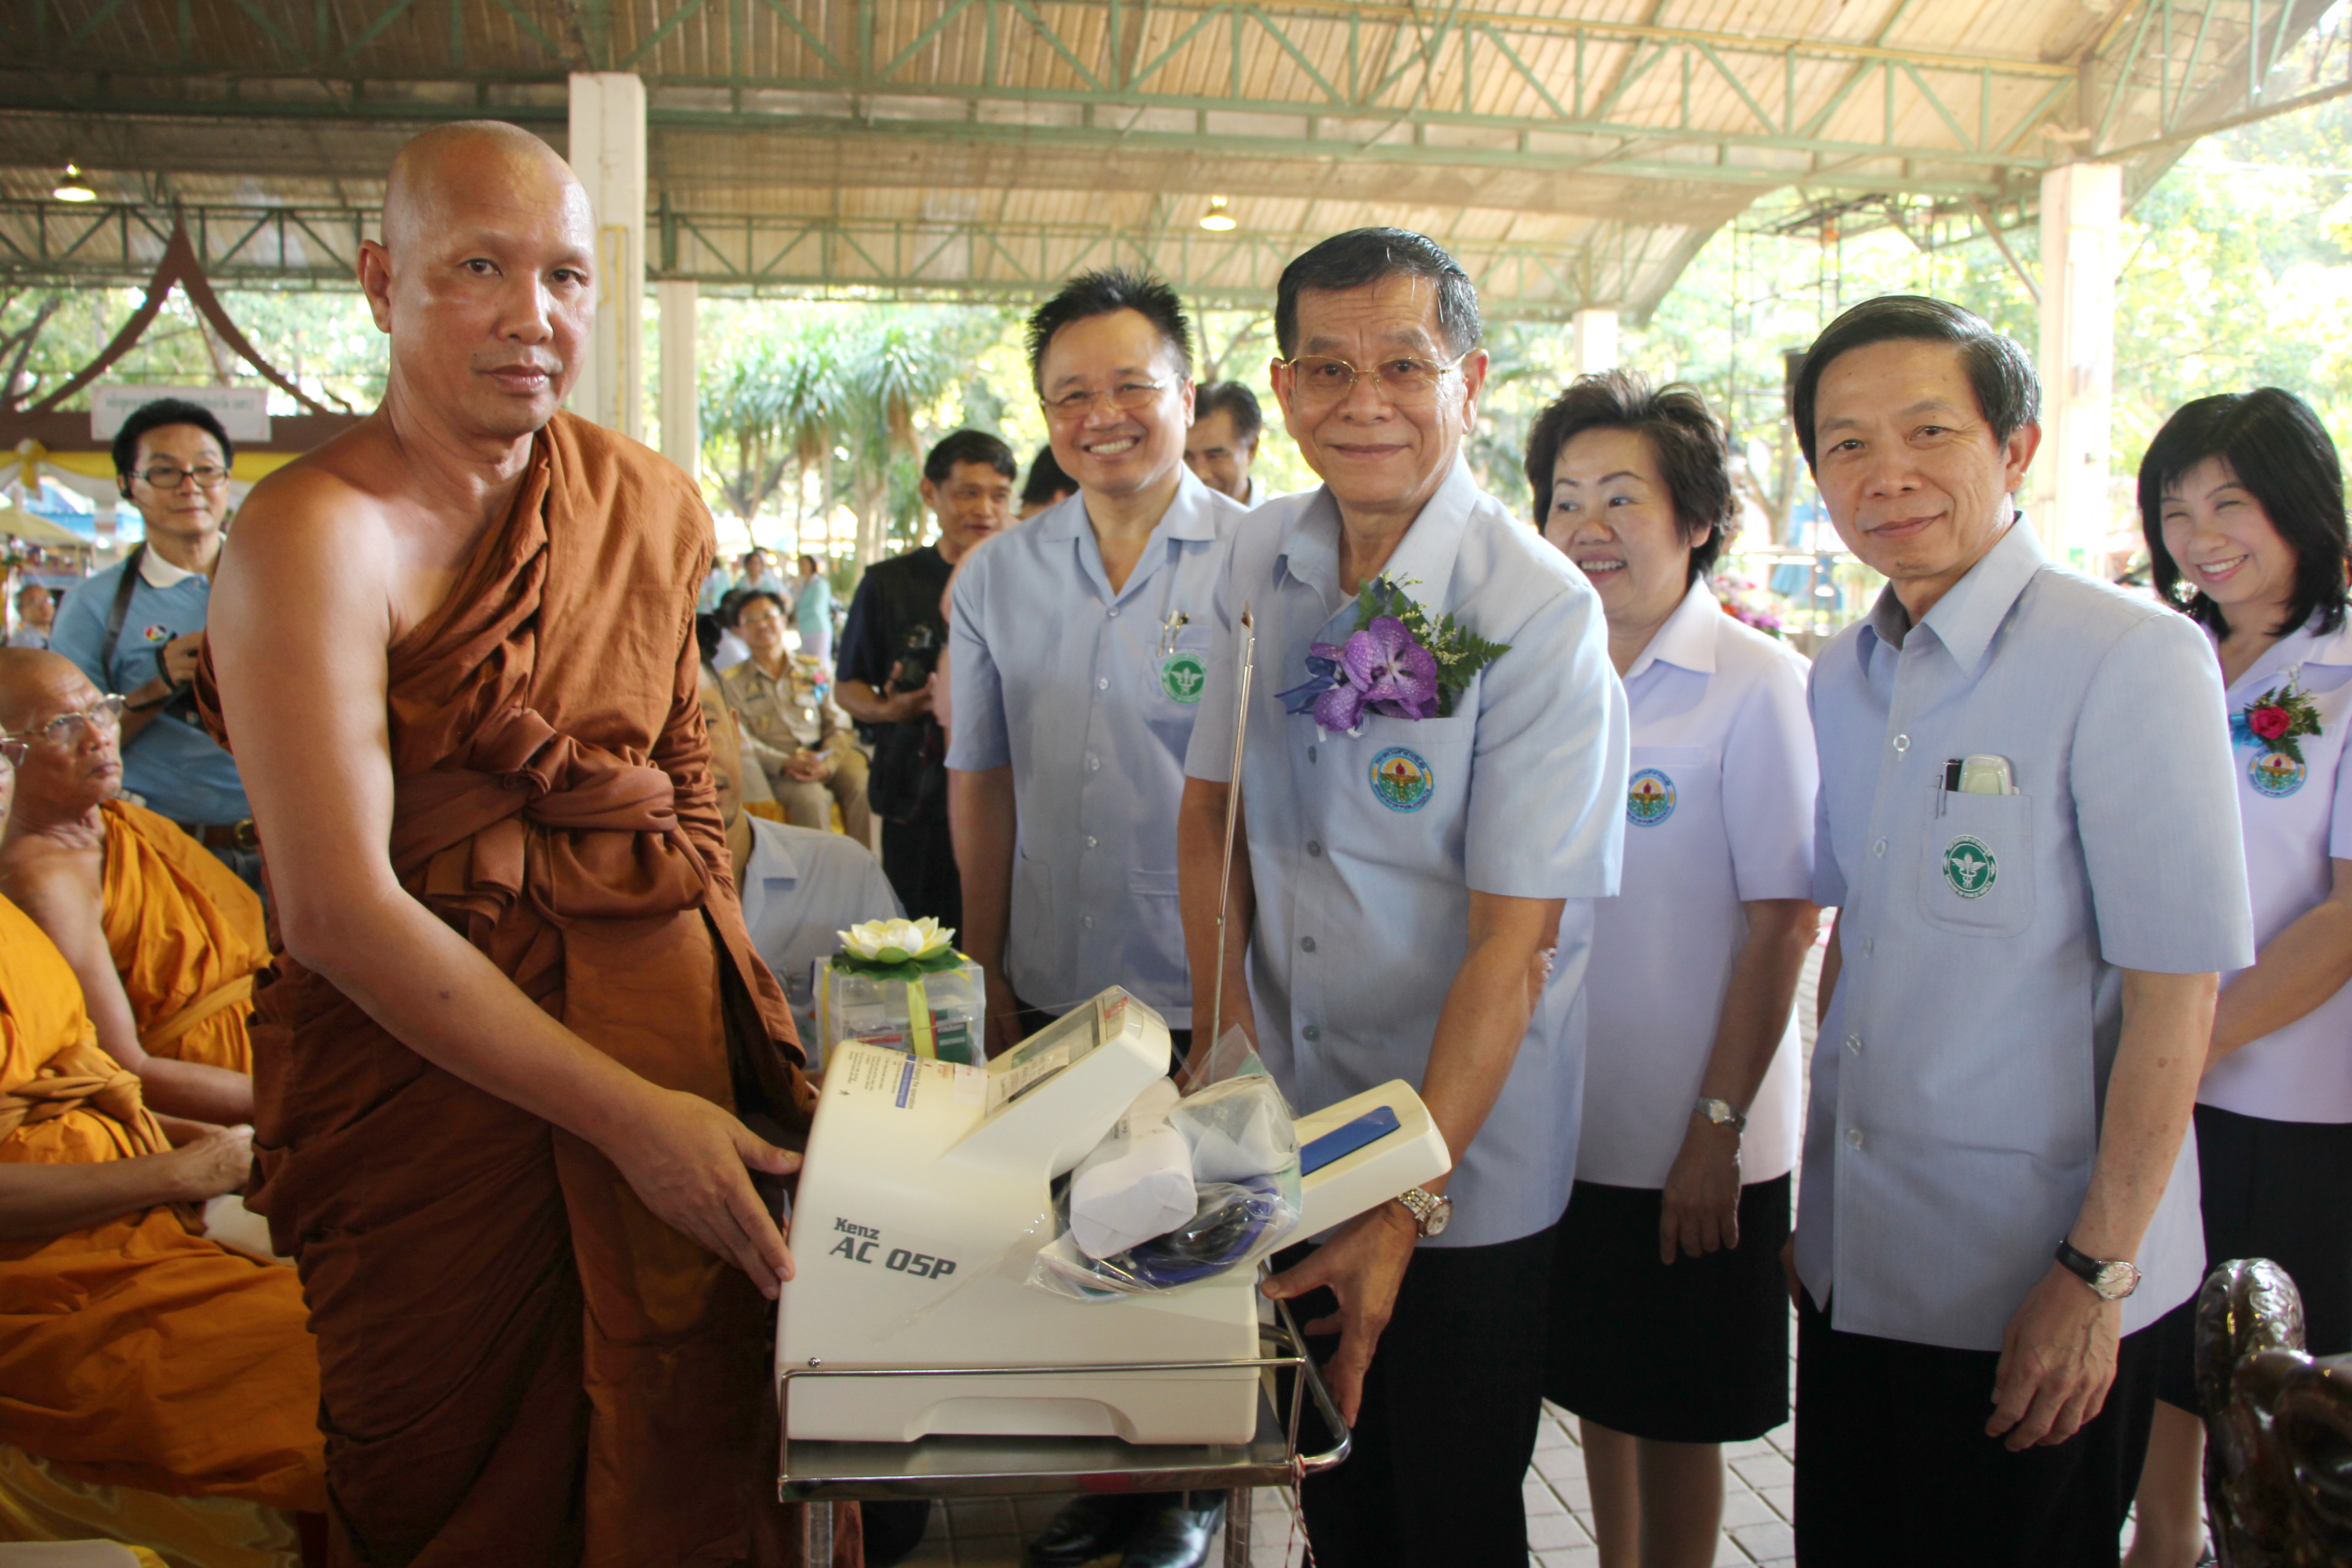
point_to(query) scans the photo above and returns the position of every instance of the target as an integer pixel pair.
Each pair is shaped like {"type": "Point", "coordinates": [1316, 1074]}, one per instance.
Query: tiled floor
{"type": "Point", "coordinates": [988, 1534]}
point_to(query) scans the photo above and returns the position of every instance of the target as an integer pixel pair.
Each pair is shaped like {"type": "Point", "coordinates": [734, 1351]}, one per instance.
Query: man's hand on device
{"type": "Point", "coordinates": [1363, 1264]}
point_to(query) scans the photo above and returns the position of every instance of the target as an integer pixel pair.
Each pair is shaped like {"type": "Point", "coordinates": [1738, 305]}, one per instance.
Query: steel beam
{"type": "Point", "coordinates": [50, 242]}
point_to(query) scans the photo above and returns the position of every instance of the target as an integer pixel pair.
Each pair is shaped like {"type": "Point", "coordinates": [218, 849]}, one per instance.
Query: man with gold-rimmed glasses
{"type": "Point", "coordinates": [1425, 819]}
{"type": "Point", "coordinates": [138, 627]}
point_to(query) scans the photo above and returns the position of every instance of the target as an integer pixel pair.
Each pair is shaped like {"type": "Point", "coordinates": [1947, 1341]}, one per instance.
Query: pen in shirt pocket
{"type": "Point", "coordinates": [1979, 774]}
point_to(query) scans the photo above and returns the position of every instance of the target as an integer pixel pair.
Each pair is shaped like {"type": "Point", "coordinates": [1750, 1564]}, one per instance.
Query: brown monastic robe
{"type": "Point", "coordinates": [519, 1363]}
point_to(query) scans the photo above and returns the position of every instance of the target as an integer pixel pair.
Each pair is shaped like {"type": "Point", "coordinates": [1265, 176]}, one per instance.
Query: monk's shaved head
{"type": "Point", "coordinates": [485, 279]}
{"type": "Point", "coordinates": [471, 164]}
{"type": "Point", "coordinates": [37, 685]}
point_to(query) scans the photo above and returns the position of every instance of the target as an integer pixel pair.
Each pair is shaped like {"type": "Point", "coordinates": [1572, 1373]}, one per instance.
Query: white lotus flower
{"type": "Point", "coordinates": [898, 942]}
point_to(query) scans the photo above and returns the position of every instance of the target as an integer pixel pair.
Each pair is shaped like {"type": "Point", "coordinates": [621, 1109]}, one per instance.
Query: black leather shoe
{"type": "Point", "coordinates": [1174, 1536]}
{"type": "Point", "coordinates": [1086, 1528]}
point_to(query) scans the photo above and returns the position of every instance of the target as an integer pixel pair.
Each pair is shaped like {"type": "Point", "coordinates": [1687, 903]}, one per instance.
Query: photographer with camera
{"type": "Point", "coordinates": [890, 649]}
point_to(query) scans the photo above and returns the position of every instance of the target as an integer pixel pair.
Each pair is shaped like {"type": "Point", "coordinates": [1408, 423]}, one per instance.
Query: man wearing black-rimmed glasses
{"type": "Point", "coordinates": [138, 627]}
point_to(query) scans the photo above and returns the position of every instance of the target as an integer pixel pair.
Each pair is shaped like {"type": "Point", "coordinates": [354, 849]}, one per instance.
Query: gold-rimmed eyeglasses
{"type": "Point", "coordinates": [1403, 380]}
{"type": "Point", "coordinates": [64, 731]}
{"type": "Point", "coordinates": [1126, 397]}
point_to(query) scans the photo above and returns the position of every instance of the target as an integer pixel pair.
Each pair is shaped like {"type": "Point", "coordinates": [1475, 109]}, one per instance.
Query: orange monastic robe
{"type": "Point", "coordinates": [520, 1365]}
{"type": "Point", "coordinates": [134, 1353]}
{"type": "Point", "coordinates": [187, 937]}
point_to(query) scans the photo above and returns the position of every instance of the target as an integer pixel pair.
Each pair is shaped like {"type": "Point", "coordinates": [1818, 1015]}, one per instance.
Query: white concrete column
{"type": "Point", "coordinates": [681, 416]}
{"type": "Point", "coordinates": [608, 155]}
{"type": "Point", "coordinates": [1596, 341]}
{"type": "Point", "coordinates": [2082, 223]}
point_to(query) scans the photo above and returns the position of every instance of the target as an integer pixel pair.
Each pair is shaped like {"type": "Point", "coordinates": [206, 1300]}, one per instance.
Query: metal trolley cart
{"type": "Point", "coordinates": [819, 1474]}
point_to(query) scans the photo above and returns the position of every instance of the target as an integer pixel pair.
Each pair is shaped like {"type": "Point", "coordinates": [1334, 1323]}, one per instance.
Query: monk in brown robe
{"type": "Point", "coordinates": [164, 939]}
{"type": "Point", "coordinates": [133, 1352]}
{"type": "Point", "coordinates": [514, 1015]}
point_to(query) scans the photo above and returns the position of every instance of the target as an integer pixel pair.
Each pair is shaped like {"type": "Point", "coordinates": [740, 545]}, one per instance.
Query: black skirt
{"type": "Point", "coordinates": [1695, 1352]}
{"type": "Point", "coordinates": [2275, 1190]}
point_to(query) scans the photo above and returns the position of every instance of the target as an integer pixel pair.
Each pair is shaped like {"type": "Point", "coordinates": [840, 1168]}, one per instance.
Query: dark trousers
{"type": "Point", "coordinates": [2274, 1190]}
{"type": "Point", "coordinates": [1893, 1466]}
{"type": "Point", "coordinates": [1448, 1422]}
{"type": "Point", "coordinates": [919, 860]}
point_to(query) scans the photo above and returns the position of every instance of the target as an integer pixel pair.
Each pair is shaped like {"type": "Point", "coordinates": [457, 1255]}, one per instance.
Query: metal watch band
{"type": "Point", "coordinates": [1719, 1111]}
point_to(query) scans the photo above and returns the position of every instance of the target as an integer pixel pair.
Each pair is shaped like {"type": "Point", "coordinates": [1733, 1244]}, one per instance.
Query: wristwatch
{"type": "Point", "coordinates": [2112, 1282]}
{"type": "Point", "coordinates": [1719, 1111]}
{"type": "Point", "coordinates": [1431, 1212]}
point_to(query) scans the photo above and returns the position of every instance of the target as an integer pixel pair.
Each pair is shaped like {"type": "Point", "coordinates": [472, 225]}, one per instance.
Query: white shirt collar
{"type": "Point", "coordinates": [1687, 640]}
{"type": "Point", "coordinates": [158, 573]}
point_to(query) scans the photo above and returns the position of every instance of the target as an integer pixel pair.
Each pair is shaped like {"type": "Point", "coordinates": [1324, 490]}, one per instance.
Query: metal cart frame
{"type": "Point", "coordinates": [818, 1474]}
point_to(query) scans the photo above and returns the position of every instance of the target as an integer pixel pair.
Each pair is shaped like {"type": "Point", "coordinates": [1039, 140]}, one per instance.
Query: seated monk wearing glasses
{"type": "Point", "coordinates": [164, 939]}
{"type": "Point", "coordinates": [161, 1389]}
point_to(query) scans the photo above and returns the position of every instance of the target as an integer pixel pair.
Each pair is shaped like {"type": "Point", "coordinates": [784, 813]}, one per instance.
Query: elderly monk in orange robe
{"type": "Point", "coordinates": [164, 939]}
{"type": "Point", "coordinates": [514, 1018]}
{"type": "Point", "coordinates": [133, 1352]}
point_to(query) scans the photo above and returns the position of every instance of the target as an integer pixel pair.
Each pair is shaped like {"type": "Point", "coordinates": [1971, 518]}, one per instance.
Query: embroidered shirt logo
{"type": "Point", "coordinates": [1969, 867]}
{"type": "Point", "coordinates": [2275, 774]}
{"type": "Point", "coordinates": [1401, 780]}
{"type": "Point", "coordinates": [1183, 676]}
{"type": "Point", "coordinates": [1649, 798]}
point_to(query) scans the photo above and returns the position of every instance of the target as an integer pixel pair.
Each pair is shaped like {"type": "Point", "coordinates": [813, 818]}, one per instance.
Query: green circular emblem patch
{"type": "Point", "coordinates": [1183, 676]}
{"type": "Point", "coordinates": [1969, 867]}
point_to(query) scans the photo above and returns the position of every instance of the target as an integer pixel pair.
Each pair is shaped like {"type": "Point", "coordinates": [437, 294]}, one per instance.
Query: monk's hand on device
{"type": "Point", "coordinates": [685, 1158]}
{"type": "Point", "coordinates": [214, 1161]}
{"type": "Point", "coordinates": [2057, 1363]}
{"type": "Point", "coordinates": [1362, 1264]}
{"type": "Point", "coordinates": [1701, 1213]}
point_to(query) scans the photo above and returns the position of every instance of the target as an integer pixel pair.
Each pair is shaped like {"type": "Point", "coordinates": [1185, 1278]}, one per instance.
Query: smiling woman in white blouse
{"type": "Point", "coordinates": [2242, 499]}
{"type": "Point", "coordinates": [1673, 1235]}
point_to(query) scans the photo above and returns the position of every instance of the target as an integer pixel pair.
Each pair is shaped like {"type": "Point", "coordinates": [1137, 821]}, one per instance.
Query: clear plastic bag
{"type": "Point", "coordinates": [1247, 1201]}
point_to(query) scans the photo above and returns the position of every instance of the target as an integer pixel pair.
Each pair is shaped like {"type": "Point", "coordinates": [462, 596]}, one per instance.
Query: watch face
{"type": "Point", "coordinates": [1439, 1218]}
{"type": "Point", "coordinates": [2116, 1281]}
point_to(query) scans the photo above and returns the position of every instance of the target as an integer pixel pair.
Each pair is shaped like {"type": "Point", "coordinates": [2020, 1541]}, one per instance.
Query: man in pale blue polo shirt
{"type": "Point", "coordinates": [138, 627]}
{"type": "Point", "coordinates": [1077, 656]}
{"type": "Point", "coordinates": [1406, 881]}
{"type": "Point", "coordinates": [2028, 821]}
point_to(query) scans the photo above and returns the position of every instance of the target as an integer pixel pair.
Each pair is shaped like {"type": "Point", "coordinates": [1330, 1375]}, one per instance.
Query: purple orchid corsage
{"type": "Point", "coordinates": [1397, 665]}
{"type": "Point", "coordinates": [1384, 668]}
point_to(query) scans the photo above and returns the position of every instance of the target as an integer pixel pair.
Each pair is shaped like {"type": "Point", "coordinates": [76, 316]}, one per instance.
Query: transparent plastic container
{"type": "Point", "coordinates": [878, 1012]}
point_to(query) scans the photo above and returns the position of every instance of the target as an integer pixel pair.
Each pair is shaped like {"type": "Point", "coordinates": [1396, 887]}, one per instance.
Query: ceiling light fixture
{"type": "Point", "coordinates": [73, 187]}
{"type": "Point", "coordinates": [1217, 220]}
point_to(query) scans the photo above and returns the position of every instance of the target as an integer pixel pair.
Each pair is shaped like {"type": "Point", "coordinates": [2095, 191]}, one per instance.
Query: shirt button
{"type": "Point", "coordinates": [1090, 840]}
{"type": "Point", "coordinates": [1307, 945]}
{"type": "Point", "coordinates": [1865, 947]}
{"type": "Point", "coordinates": [1103, 685]}
{"type": "Point", "coordinates": [1854, 1137]}
{"type": "Point", "coordinates": [1087, 922]}
{"type": "Point", "coordinates": [1311, 1032]}
{"type": "Point", "coordinates": [1114, 612]}
{"type": "Point", "coordinates": [1902, 742]}
{"type": "Point", "coordinates": [1854, 1044]}
{"type": "Point", "coordinates": [1314, 849]}
{"type": "Point", "coordinates": [1094, 765]}
{"type": "Point", "coordinates": [1879, 848]}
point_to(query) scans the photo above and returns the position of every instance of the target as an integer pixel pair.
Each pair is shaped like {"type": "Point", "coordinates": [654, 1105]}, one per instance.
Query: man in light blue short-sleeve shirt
{"type": "Point", "coordinates": [1403, 886]}
{"type": "Point", "coordinates": [2028, 823]}
{"type": "Point", "coordinates": [1077, 658]}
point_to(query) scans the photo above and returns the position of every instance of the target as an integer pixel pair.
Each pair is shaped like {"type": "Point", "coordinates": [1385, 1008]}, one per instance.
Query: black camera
{"type": "Point", "coordinates": [919, 658]}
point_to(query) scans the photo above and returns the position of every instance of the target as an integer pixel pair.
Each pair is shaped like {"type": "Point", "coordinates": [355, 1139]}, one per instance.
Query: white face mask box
{"type": "Point", "coordinates": [924, 1197]}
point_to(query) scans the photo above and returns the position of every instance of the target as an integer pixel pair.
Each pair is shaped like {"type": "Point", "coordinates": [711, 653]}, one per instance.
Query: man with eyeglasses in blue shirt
{"type": "Point", "coordinates": [138, 627]}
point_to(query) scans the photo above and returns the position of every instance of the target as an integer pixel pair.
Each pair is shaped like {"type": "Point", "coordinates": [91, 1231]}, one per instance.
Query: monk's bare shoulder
{"type": "Point", "coordinates": [55, 884]}
{"type": "Point", "coordinates": [317, 535]}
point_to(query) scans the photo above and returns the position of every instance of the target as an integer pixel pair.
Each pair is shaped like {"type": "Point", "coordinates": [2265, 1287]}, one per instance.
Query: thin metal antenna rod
{"type": "Point", "coordinates": [1233, 822]}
